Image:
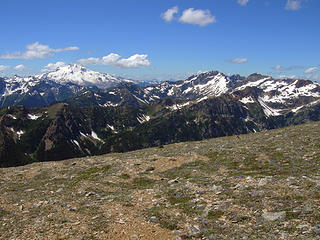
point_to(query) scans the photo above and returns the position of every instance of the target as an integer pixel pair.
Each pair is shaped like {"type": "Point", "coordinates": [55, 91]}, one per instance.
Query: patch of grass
{"type": "Point", "coordinates": [164, 220]}
{"type": "Point", "coordinates": [215, 214]}
{"type": "Point", "coordinates": [292, 215]}
{"type": "Point", "coordinates": [125, 176]}
{"type": "Point", "coordinates": [89, 174]}
{"type": "Point", "coordinates": [142, 182]}
{"type": "Point", "coordinates": [183, 200]}
{"type": "Point", "coordinates": [3, 213]}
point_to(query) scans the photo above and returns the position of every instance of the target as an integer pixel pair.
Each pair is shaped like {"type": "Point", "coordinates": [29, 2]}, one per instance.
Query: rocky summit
{"type": "Point", "coordinates": [262, 185]}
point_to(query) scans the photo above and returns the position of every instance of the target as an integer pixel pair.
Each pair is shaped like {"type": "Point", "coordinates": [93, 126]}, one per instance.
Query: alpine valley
{"type": "Point", "coordinates": [75, 112]}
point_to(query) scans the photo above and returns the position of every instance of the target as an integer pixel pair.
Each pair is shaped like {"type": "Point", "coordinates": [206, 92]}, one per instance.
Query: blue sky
{"type": "Point", "coordinates": [164, 39]}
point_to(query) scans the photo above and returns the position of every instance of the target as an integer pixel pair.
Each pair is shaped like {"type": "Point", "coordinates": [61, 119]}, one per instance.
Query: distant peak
{"type": "Point", "coordinates": [205, 74]}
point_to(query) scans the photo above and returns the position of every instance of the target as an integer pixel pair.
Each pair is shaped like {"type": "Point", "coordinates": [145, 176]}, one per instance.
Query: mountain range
{"type": "Point", "coordinates": [74, 112]}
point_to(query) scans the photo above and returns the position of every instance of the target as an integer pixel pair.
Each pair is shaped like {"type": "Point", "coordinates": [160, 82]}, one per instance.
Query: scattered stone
{"type": "Point", "coordinates": [274, 216]}
{"type": "Point", "coordinates": [29, 190]}
{"type": "Point", "coordinates": [173, 180]}
{"type": "Point", "coordinates": [154, 219]}
{"type": "Point", "coordinates": [134, 236]}
{"type": "Point", "coordinates": [121, 221]}
{"type": "Point", "coordinates": [89, 194]}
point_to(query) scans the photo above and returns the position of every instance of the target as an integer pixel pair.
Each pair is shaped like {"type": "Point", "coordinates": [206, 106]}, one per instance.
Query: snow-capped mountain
{"type": "Point", "coordinates": [278, 96]}
{"type": "Point", "coordinates": [82, 76]}
{"type": "Point", "coordinates": [127, 116]}
{"type": "Point", "coordinates": [54, 86]}
{"type": "Point", "coordinates": [275, 96]}
{"type": "Point", "coordinates": [205, 84]}
{"type": "Point", "coordinates": [83, 87]}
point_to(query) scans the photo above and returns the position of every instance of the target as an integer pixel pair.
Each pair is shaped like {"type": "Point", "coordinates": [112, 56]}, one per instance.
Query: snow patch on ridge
{"type": "Point", "coordinates": [246, 100]}
{"type": "Point", "coordinates": [33, 117]}
{"type": "Point", "coordinates": [268, 111]}
{"type": "Point", "coordinates": [95, 136]}
{"type": "Point", "coordinates": [143, 118]}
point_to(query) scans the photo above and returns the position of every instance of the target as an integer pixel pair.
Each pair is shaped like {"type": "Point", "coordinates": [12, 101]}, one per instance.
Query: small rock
{"type": "Point", "coordinates": [134, 236]}
{"type": "Point", "coordinates": [21, 207]}
{"type": "Point", "coordinates": [89, 194]}
{"type": "Point", "coordinates": [29, 190]}
{"type": "Point", "coordinates": [70, 208]}
{"type": "Point", "coordinates": [173, 180]}
{"type": "Point", "coordinates": [303, 226]}
{"type": "Point", "coordinates": [194, 230]}
{"type": "Point", "coordinates": [36, 205]}
{"type": "Point", "coordinates": [59, 190]}
{"type": "Point", "coordinates": [153, 219]}
{"type": "Point", "coordinates": [121, 221]}
{"type": "Point", "coordinates": [215, 188]}
{"type": "Point", "coordinates": [273, 216]}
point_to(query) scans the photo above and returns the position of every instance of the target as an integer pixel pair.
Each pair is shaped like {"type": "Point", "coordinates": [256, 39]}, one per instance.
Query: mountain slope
{"type": "Point", "coordinates": [254, 186]}
{"type": "Point", "coordinates": [64, 131]}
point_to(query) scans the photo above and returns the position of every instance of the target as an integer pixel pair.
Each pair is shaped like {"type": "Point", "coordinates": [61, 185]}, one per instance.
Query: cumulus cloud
{"type": "Point", "coordinates": [113, 59]}
{"type": "Point", "coordinates": [197, 17]}
{"type": "Point", "coordinates": [243, 2]}
{"type": "Point", "coordinates": [293, 5]}
{"type": "Point", "coordinates": [168, 15]}
{"type": "Point", "coordinates": [238, 60]}
{"type": "Point", "coordinates": [4, 68]}
{"type": "Point", "coordinates": [135, 61]}
{"type": "Point", "coordinates": [311, 70]}
{"type": "Point", "coordinates": [20, 67]}
{"type": "Point", "coordinates": [53, 66]}
{"type": "Point", "coordinates": [36, 50]}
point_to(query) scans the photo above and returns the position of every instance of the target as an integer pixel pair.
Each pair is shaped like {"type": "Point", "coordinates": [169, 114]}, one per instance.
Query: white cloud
{"type": "Point", "coordinates": [135, 61]}
{"type": "Point", "coordinates": [197, 17]}
{"type": "Point", "coordinates": [89, 61]}
{"type": "Point", "coordinates": [288, 76]}
{"type": "Point", "coordinates": [278, 67]}
{"type": "Point", "coordinates": [20, 67]}
{"type": "Point", "coordinates": [281, 68]}
{"type": "Point", "coordinates": [239, 60]}
{"type": "Point", "coordinates": [293, 5]}
{"type": "Point", "coordinates": [36, 50]}
{"type": "Point", "coordinates": [243, 2]}
{"type": "Point", "coordinates": [4, 68]}
{"type": "Point", "coordinates": [113, 59]}
{"type": "Point", "coordinates": [168, 15]}
{"type": "Point", "coordinates": [311, 70]}
{"type": "Point", "coordinates": [52, 66]}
